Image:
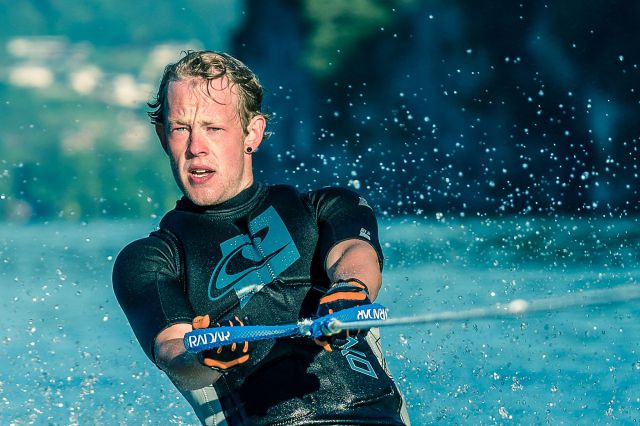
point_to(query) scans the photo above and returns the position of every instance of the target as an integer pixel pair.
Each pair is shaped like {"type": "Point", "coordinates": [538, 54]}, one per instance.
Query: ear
{"type": "Point", "coordinates": [255, 132]}
{"type": "Point", "coordinates": [162, 136]}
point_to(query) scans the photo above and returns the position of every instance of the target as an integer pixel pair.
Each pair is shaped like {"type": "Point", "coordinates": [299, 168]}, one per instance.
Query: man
{"type": "Point", "coordinates": [234, 250]}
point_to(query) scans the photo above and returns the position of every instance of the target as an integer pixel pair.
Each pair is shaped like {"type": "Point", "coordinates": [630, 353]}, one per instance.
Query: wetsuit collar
{"type": "Point", "coordinates": [244, 198]}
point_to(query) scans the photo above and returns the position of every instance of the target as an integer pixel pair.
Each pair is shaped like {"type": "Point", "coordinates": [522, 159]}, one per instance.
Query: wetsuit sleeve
{"type": "Point", "coordinates": [342, 215]}
{"type": "Point", "coordinates": [146, 282]}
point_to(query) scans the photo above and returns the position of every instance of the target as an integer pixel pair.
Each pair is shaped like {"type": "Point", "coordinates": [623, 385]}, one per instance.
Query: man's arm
{"type": "Point", "coordinates": [355, 259]}
{"type": "Point", "coordinates": [348, 237]}
{"type": "Point", "coordinates": [146, 283]}
{"type": "Point", "coordinates": [182, 367]}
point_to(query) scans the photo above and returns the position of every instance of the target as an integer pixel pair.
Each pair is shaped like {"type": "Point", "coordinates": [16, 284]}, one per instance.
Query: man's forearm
{"type": "Point", "coordinates": [183, 368]}
{"type": "Point", "coordinates": [355, 259]}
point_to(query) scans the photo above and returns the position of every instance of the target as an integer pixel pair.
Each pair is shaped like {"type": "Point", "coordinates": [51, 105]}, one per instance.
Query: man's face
{"type": "Point", "coordinates": [205, 140]}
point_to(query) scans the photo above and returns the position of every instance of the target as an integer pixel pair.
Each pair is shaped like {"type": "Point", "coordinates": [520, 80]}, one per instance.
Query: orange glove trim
{"type": "Point", "coordinates": [201, 321]}
{"type": "Point", "coordinates": [225, 365]}
{"type": "Point", "coordinates": [325, 345]}
{"type": "Point", "coordinates": [342, 296]}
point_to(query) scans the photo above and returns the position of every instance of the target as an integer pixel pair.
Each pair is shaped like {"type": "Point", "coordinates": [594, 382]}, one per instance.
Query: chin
{"type": "Point", "coordinates": [203, 200]}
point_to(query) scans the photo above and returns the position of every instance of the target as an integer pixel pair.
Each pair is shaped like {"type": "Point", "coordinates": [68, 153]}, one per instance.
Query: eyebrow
{"type": "Point", "coordinates": [200, 123]}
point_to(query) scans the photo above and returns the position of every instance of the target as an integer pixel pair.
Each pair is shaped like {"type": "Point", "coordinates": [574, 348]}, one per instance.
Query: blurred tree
{"type": "Point", "coordinates": [337, 28]}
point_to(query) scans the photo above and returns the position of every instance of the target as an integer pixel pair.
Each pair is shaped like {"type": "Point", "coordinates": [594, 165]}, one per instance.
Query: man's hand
{"type": "Point", "coordinates": [343, 294]}
{"type": "Point", "coordinates": [224, 357]}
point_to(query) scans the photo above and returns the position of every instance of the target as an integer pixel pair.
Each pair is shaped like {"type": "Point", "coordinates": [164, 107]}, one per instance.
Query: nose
{"type": "Point", "coordinates": [198, 144]}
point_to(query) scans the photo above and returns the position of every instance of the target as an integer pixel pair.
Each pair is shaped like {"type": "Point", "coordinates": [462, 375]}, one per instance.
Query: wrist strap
{"type": "Point", "coordinates": [352, 282]}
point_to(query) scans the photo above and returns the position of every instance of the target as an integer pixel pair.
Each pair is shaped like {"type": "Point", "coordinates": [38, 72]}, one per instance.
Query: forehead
{"type": "Point", "coordinates": [218, 92]}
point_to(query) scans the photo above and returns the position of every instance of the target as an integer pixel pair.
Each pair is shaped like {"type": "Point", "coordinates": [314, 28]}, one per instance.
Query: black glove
{"type": "Point", "coordinates": [222, 358]}
{"type": "Point", "coordinates": [343, 294]}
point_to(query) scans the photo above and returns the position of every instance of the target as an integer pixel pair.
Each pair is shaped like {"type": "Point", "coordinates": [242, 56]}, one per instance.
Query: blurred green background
{"type": "Point", "coordinates": [456, 107]}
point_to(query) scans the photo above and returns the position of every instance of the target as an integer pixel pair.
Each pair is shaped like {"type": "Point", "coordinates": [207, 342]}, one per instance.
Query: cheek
{"type": "Point", "coordinates": [174, 160]}
{"type": "Point", "coordinates": [233, 154]}
{"type": "Point", "coordinates": [176, 151]}
{"type": "Point", "coordinates": [177, 141]}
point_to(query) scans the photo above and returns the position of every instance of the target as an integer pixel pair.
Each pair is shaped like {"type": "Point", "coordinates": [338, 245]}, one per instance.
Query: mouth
{"type": "Point", "coordinates": [199, 174]}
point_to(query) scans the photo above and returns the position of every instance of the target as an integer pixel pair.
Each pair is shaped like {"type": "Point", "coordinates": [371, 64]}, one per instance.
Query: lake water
{"type": "Point", "coordinates": [70, 357]}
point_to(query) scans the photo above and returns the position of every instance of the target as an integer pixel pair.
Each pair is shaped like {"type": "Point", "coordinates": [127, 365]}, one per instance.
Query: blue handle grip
{"type": "Point", "coordinates": [208, 338]}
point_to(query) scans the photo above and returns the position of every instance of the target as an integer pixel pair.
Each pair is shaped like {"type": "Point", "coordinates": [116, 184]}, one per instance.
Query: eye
{"type": "Point", "coordinates": [179, 129]}
{"type": "Point", "coordinates": [213, 129]}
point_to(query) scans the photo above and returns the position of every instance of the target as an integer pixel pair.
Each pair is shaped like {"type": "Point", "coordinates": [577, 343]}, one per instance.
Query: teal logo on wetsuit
{"type": "Point", "coordinates": [357, 360]}
{"type": "Point", "coordinates": [251, 261]}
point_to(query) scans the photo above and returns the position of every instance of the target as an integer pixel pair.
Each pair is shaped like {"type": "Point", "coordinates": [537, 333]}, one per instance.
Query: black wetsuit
{"type": "Point", "coordinates": [261, 255]}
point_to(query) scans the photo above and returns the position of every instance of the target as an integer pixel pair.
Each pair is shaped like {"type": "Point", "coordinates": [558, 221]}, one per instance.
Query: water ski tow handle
{"type": "Point", "coordinates": [209, 338]}
{"type": "Point", "coordinates": [375, 315]}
